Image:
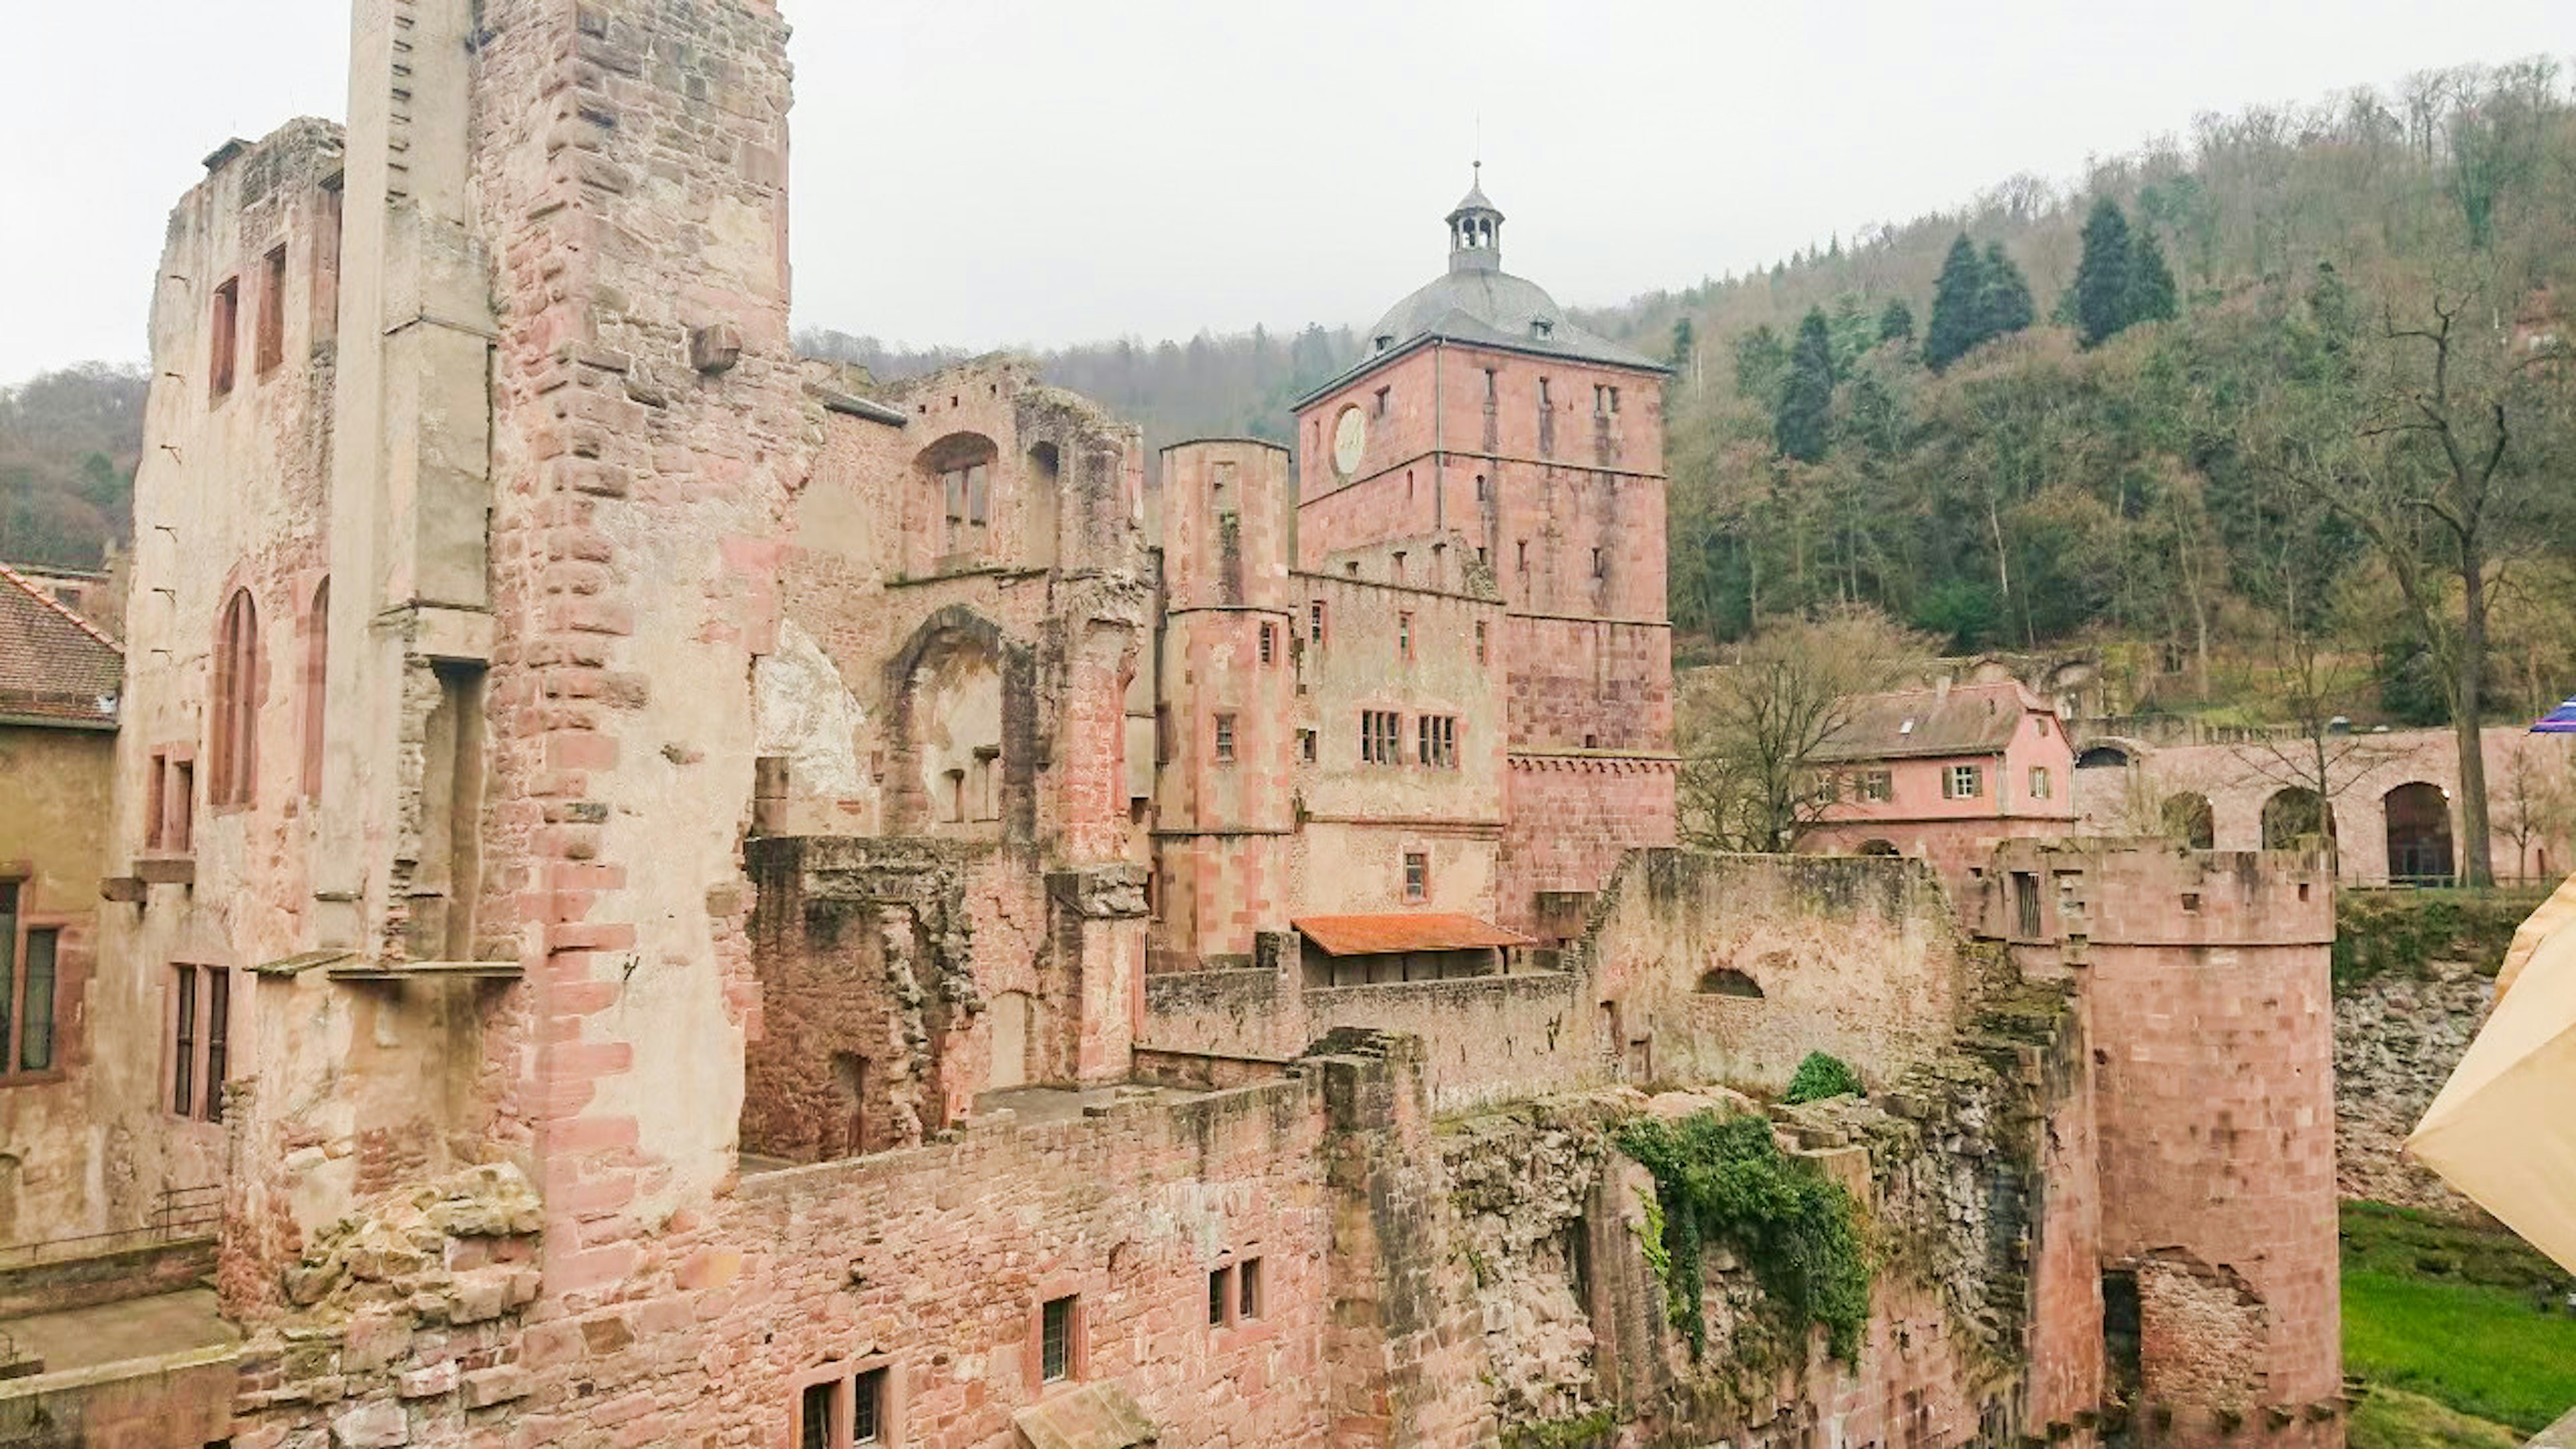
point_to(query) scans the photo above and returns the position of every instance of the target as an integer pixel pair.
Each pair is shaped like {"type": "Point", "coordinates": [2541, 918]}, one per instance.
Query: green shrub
{"type": "Point", "coordinates": [1725, 1180]}
{"type": "Point", "coordinates": [1821, 1076]}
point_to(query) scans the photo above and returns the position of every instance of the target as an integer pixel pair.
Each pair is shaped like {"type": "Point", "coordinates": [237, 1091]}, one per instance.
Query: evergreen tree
{"type": "Point", "coordinates": [1685, 338]}
{"type": "Point", "coordinates": [1957, 301]}
{"type": "Point", "coordinates": [2004, 307]}
{"type": "Point", "coordinates": [1801, 426]}
{"type": "Point", "coordinates": [1896, 324]}
{"type": "Point", "coordinates": [2101, 297]}
{"type": "Point", "coordinates": [2151, 282]}
{"type": "Point", "coordinates": [1759, 362]}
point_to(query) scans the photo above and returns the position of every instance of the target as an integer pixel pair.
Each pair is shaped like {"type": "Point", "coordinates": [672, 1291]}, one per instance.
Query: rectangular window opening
{"type": "Point", "coordinates": [814, 1416]}
{"type": "Point", "coordinates": [1248, 1289]}
{"type": "Point", "coordinates": [226, 320]}
{"type": "Point", "coordinates": [1877, 786]}
{"type": "Point", "coordinates": [1404, 634]}
{"type": "Point", "coordinates": [1220, 1296]}
{"type": "Point", "coordinates": [1306, 746]}
{"type": "Point", "coordinates": [1490, 390]}
{"type": "Point", "coordinates": [183, 1041]}
{"type": "Point", "coordinates": [1315, 621]}
{"type": "Point", "coordinates": [1417, 875]}
{"type": "Point", "coordinates": [2039, 782]}
{"type": "Point", "coordinates": [2025, 886]}
{"type": "Point", "coordinates": [1269, 642]}
{"type": "Point", "coordinates": [1055, 1340]}
{"type": "Point", "coordinates": [1480, 635]}
{"type": "Point", "coordinates": [1225, 739]}
{"type": "Point", "coordinates": [272, 310]}
{"type": "Point", "coordinates": [1963, 782]}
{"type": "Point", "coordinates": [868, 1407]}
{"type": "Point", "coordinates": [219, 992]}
{"type": "Point", "coordinates": [1381, 401]}
{"type": "Point", "coordinates": [36, 1017]}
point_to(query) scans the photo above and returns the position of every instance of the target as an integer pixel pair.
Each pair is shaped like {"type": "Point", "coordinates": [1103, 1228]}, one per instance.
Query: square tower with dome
{"type": "Point", "coordinates": [1483, 423]}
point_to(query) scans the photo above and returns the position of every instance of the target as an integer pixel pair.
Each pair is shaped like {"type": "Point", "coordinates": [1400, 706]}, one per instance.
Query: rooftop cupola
{"type": "Point", "coordinates": [1475, 231]}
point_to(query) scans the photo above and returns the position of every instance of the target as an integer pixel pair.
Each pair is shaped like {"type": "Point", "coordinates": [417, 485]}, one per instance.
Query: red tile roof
{"type": "Point", "coordinates": [1398, 931]}
{"type": "Point", "coordinates": [55, 666]}
{"type": "Point", "coordinates": [1969, 719]}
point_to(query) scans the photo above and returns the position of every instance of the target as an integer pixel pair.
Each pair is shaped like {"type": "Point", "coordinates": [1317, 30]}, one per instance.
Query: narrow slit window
{"type": "Point", "coordinates": [183, 1041]}
{"type": "Point", "coordinates": [36, 1016]}
{"type": "Point", "coordinates": [272, 310]}
{"type": "Point", "coordinates": [219, 991]}
{"type": "Point", "coordinates": [225, 322]}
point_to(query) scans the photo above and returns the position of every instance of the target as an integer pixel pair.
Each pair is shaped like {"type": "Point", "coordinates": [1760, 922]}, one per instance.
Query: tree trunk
{"type": "Point", "coordinates": [2477, 857]}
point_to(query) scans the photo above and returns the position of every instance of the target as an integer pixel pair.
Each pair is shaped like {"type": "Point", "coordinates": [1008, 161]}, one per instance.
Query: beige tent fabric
{"type": "Point", "coordinates": [2557, 911]}
{"type": "Point", "coordinates": [2502, 1130]}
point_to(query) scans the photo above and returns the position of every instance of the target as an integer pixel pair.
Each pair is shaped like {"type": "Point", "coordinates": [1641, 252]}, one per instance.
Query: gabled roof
{"type": "Point", "coordinates": [1969, 719]}
{"type": "Point", "coordinates": [55, 666]}
{"type": "Point", "coordinates": [1399, 931]}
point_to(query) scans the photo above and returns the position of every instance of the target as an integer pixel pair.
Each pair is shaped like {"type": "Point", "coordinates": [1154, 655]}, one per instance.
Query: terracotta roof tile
{"type": "Point", "coordinates": [54, 664]}
{"type": "Point", "coordinates": [1397, 931]}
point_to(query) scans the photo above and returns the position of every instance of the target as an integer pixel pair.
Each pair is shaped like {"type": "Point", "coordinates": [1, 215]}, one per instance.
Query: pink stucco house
{"type": "Point", "coordinates": [1943, 774]}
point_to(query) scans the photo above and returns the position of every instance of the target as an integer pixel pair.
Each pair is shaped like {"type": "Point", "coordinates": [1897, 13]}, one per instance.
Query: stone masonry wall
{"type": "Point", "coordinates": [2397, 1039]}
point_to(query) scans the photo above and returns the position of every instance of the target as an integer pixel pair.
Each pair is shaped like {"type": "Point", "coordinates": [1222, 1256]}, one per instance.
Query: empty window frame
{"type": "Point", "coordinates": [1315, 621]}
{"type": "Point", "coordinates": [1492, 386]}
{"type": "Point", "coordinates": [271, 345]}
{"type": "Point", "coordinates": [1600, 564]}
{"type": "Point", "coordinates": [1963, 782]}
{"type": "Point", "coordinates": [1381, 401]}
{"type": "Point", "coordinates": [1404, 634]}
{"type": "Point", "coordinates": [1306, 746]}
{"type": "Point", "coordinates": [235, 715]}
{"type": "Point", "coordinates": [967, 496]}
{"type": "Point", "coordinates": [200, 1039]}
{"type": "Point", "coordinates": [1483, 489]}
{"type": "Point", "coordinates": [1481, 650]}
{"type": "Point", "coordinates": [1417, 875]}
{"type": "Point", "coordinates": [1436, 738]}
{"type": "Point", "coordinates": [222, 327]}
{"type": "Point", "coordinates": [1381, 736]}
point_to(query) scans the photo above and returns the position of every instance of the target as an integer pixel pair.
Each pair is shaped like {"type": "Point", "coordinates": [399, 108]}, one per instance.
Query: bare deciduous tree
{"type": "Point", "coordinates": [1750, 730]}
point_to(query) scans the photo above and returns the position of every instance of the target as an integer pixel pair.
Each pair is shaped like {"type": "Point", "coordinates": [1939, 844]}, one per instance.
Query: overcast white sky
{"type": "Point", "coordinates": [984, 174]}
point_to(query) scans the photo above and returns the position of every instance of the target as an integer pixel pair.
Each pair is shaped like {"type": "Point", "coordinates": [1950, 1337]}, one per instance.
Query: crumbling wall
{"type": "Point", "coordinates": [1736, 967]}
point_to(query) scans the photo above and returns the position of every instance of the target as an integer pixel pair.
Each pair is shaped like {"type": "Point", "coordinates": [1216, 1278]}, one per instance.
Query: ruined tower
{"type": "Point", "coordinates": [1226, 717]}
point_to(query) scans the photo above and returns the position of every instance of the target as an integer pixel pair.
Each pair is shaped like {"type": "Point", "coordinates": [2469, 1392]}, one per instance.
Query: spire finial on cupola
{"type": "Point", "coordinates": [1475, 227]}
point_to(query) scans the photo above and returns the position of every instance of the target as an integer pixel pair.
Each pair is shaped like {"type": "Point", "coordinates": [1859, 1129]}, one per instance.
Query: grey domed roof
{"type": "Point", "coordinates": [1496, 309]}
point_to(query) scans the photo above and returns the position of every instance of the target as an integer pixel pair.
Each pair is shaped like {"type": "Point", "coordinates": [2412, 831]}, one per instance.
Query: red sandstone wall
{"type": "Point", "coordinates": [2213, 1024]}
{"type": "Point", "coordinates": [1569, 822]}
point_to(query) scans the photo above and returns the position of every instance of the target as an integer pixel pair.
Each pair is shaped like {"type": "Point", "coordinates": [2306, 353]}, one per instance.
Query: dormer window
{"type": "Point", "coordinates": [1384, 341]}
{"type": "Point", "coordinates": [1541, 327]}
{"type": "Point", "coordinates": [1906, 728]}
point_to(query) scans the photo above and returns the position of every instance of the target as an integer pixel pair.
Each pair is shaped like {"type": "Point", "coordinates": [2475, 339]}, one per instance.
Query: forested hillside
{"type": "Point", "coordinates": [68, 445]}
{"type": "Point", "coordinates": [2308, 356]}
{"type": "Point", "coordinates": [1210, 386]}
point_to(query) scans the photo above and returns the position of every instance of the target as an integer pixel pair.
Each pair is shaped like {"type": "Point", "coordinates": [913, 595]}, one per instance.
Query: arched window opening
{"type": "Point", "coordinates": [317, 663]}
{"type": "Point", "coordinates": [1727, 981]}
{"type": "Point", "coordinates": [1879, 847]}
{"type": "Point", "coordinates": [2189, 821]}
{"type": "Point", "coordinates": [2294, 816]}
{"type": "Point", "coordinates": [957, 474]}
{"type": "Point", "coordinates": [234, 717]}
{"type": "Point", "coordinates": [2102, 757]}
{"type": "Point", "coordinates": [957, 732]}
{"type": "Point", "coordinates": [2419, 834]}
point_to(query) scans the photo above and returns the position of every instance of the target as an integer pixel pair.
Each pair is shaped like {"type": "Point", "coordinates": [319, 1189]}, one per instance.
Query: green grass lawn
{"type": "Point", "coordinates": [2395, 1419]}
{"type": "Point", "coordinates": [2453, 1314]}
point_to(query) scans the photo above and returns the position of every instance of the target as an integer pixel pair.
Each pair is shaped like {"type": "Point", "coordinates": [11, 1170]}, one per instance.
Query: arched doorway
{"type": "Point", "coordinates": [2293, 816]}
{"type": "Point", "coordinates": [1879, 847]}
{"type": "Point", "coordinates": [2102, 757]}
{"type": "Point", "coordinates": [2190, 822]}
{"type": "Point", "coordinates": [2419, 834]}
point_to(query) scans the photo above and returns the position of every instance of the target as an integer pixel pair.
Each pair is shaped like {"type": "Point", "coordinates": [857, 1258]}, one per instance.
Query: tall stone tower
{"type": "Point", "coordinates": [1226, 722]}
{"type": "Point", "coordinates": [1481, 417]}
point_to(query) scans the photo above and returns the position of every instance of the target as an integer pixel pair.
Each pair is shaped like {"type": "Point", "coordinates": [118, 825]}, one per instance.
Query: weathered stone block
{"type": "Point", "coordinates": [486, 1387]}
{"type": "Point", "coordinates": [381, 1424]}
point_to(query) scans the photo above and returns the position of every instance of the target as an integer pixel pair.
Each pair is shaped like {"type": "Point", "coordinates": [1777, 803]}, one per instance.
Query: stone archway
{"type": "Point", "coordinates": [2294, 815]}
{"type": "Point", "coordinates": [2419, 833]}
{"type": "Point", "coordinates": [2189, 821]}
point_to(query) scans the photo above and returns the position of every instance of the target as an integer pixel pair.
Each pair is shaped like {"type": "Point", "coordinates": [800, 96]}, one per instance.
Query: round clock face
{"type": "Point", "coordinates": [1350, 435]}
